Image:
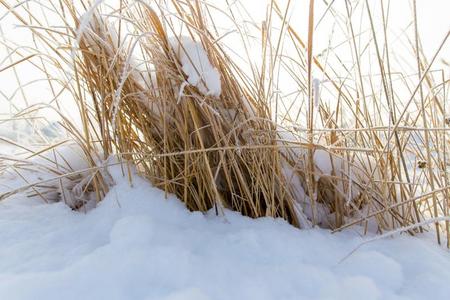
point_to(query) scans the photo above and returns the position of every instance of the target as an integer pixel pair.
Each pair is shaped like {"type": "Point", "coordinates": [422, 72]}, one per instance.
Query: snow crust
{"type": "Point", "coordinates": [138, 245]}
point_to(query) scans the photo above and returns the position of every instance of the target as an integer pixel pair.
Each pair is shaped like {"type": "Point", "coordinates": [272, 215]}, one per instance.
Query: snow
{"type": "Point", "coordinates": [357, 169]}
{"type": "Point", "coordinates": [316, 90]}
{"type": "Point", "coordinates": [138, 245]}
{"type": "Point", "coordinates": [62, 172]}
{"type": "Point", "coordinates": [196, 65]}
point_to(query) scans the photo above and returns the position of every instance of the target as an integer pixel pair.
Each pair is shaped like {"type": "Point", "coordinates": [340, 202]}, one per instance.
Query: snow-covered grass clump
{"type": "Point", "coordinates": [193, 95]}
{"type": "Point", "coordinates": [138, 245]}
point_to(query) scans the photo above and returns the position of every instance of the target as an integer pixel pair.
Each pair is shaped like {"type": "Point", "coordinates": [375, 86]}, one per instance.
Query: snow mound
{"type": "Point", "coordinates": [138, 245]}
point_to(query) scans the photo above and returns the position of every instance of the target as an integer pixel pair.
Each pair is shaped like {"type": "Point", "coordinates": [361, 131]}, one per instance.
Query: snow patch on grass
{"type": "Point", "coordinates": [196, 65]}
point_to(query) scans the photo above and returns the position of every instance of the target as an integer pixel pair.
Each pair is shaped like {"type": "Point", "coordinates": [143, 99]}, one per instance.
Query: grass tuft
{"type": "Point", "coordinates": [313, 139]}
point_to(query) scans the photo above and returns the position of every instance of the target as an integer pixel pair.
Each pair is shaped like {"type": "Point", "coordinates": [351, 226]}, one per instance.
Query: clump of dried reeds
{"type": "Point", "coordinates": [212, 152]}
{"type": "Point", "coordinates": [342, 164]}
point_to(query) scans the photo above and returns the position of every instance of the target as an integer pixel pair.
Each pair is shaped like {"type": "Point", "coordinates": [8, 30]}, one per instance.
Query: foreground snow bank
{"type": "Point", "coordinates": [137, 245]}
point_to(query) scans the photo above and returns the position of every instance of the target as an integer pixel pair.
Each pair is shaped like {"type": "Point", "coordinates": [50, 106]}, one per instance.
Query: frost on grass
{"type": "Point", "coordinates": [196, 65]}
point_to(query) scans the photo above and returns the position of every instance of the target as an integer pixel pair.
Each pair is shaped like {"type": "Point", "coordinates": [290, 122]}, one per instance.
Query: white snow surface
{"type": "Point", "coordinates": [138, 245]}
{"type": "Point", "coordinates": [196, 65]}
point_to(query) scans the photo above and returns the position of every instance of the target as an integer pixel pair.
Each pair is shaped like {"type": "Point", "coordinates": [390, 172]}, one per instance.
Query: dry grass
{"type": "Point", "coordinates": [166, 136]}
{"type": "Point", "coordinates": [388, 154]}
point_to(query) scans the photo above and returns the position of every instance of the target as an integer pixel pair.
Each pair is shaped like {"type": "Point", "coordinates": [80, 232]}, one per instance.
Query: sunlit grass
{"type": "Point", "coordinates": [262, 147]}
